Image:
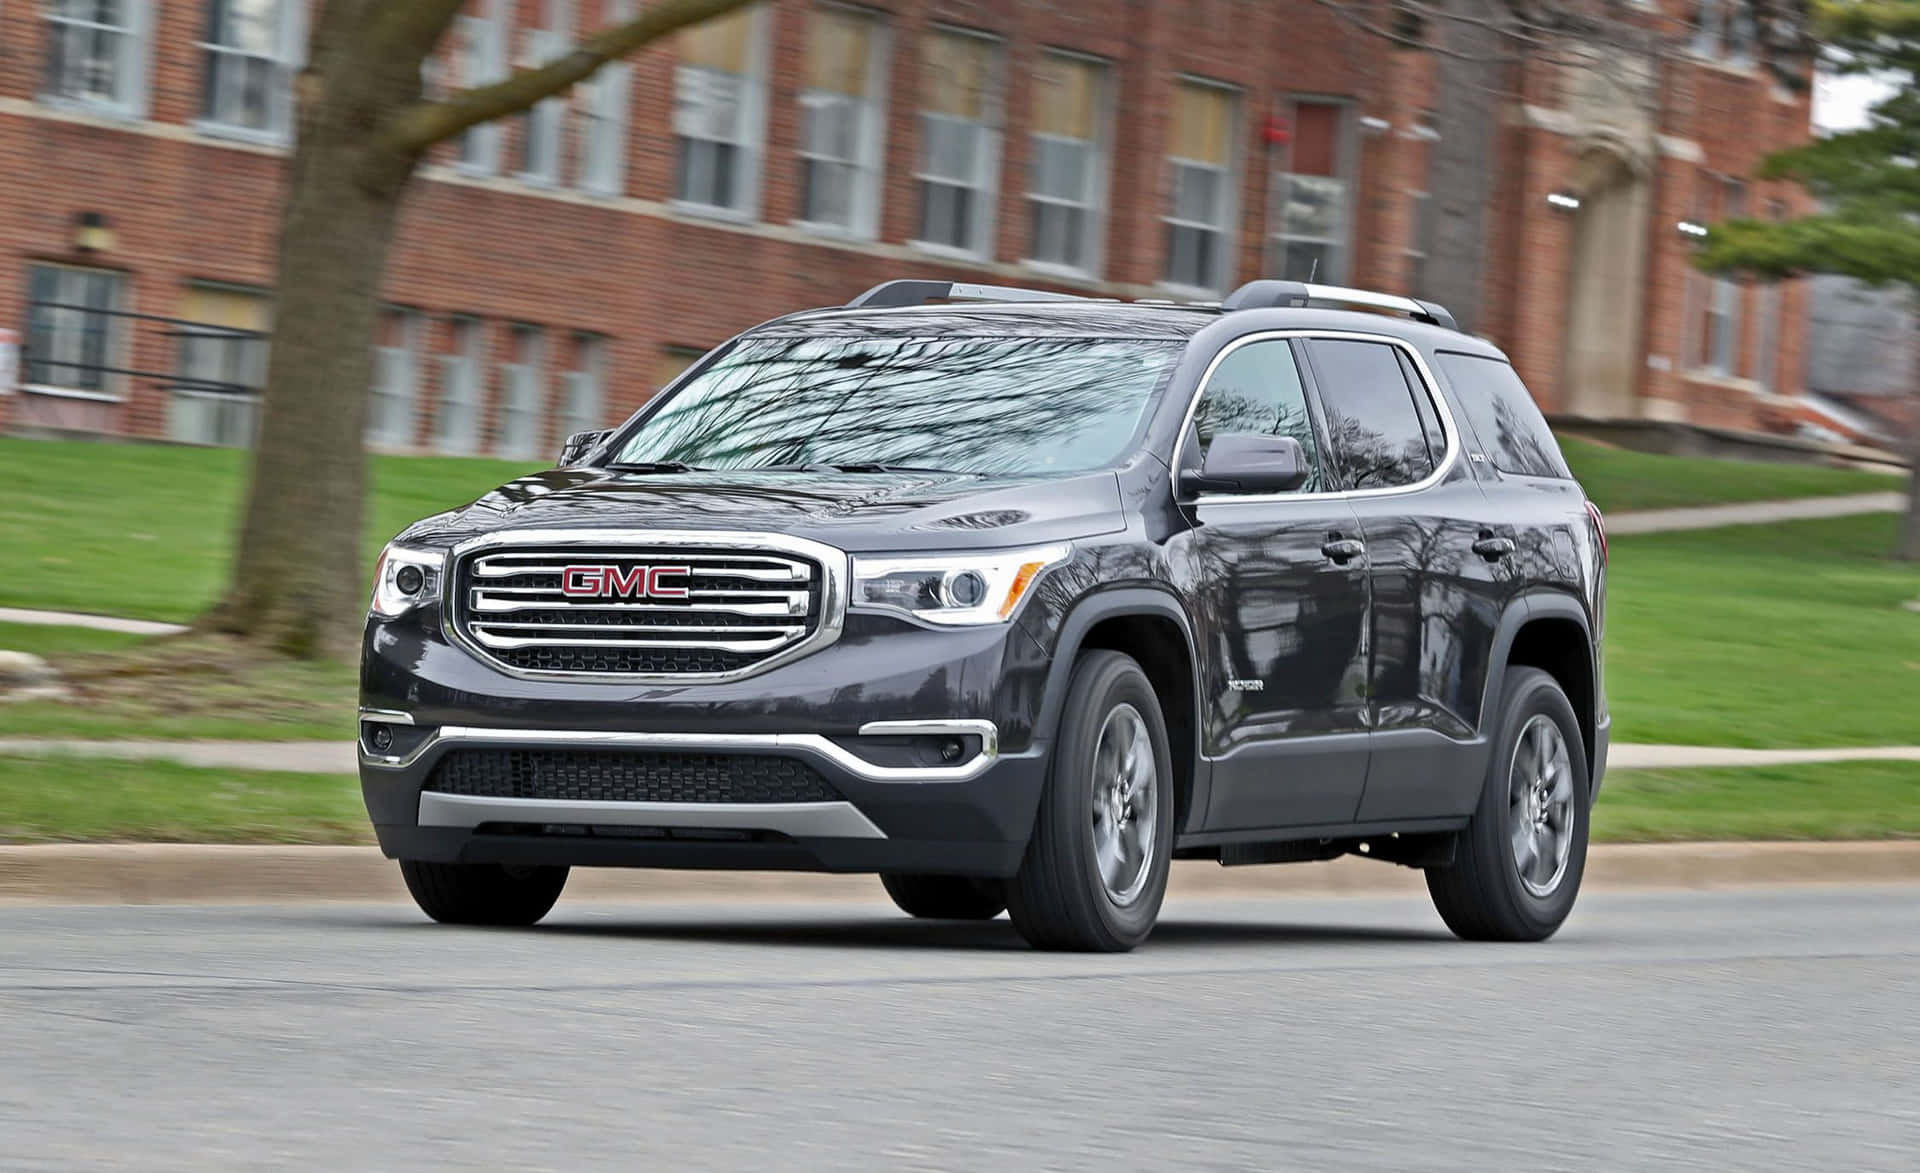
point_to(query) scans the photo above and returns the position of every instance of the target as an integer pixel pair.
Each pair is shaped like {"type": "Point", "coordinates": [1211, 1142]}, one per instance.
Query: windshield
{"type": "Point", "coordinates": [976, 405]}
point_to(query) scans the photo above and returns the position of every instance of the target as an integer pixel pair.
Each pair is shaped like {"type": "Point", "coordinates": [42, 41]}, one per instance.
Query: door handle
{"type": "Point", "coordinates": [1343, 550]}
{"type": "Point", "coordinates": [1493, 549]}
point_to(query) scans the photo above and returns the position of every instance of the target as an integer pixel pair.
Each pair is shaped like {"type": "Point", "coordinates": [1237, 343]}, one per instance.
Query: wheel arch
{"type": "Point", "coordinates": [1552, 632]}
{"type": "Point", "coordinates": [1150, 625]}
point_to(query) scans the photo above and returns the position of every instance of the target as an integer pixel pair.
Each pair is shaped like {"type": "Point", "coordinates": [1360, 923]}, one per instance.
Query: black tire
{"type": "Point", "coordinates": [483, 893]}
{"type": "Point", "coordinates": [1059, 899]}
{"type": "Point", "coordinates": [1482, 895]}
{"type": "Point", "coordinates": [946, 897]}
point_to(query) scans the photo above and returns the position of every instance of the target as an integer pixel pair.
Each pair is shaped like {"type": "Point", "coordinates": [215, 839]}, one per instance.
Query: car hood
{"type": "Point", "coordinates": [854, 511]}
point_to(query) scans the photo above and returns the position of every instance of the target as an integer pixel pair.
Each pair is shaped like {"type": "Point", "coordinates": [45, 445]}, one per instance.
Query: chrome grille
{"type": "Point", "coordinates": [718, 612]}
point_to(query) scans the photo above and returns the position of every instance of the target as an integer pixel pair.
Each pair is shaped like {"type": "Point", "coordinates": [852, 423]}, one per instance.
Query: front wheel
{"type": "Point", "coordinates": [1518, 863]}
{"type": "Point", "coordinates": [483, 893]}
{"type": "Point", "coordinates": [946, 897]}
{"type": "Point", "coordinates": [1096, 867]}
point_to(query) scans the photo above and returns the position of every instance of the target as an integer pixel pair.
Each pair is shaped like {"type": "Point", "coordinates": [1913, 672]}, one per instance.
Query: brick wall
{"type": "Point", "coordinates": [185, 206]}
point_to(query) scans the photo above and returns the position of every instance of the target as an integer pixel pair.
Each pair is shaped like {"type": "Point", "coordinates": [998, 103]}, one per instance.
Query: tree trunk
{"type": "Point", "coordinates": [298, 584]}
{"type": "Point", "coordinates": [1460, 174]}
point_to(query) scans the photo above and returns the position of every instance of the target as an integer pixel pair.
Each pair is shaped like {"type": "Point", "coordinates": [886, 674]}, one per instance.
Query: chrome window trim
{"type": "Point", "coordinates": [1445, 411]}
{"type": "Point", "coordinates": [803, 820]}
{"type": "Point", "coordinates": [813, 745]}
{"type": "Point", "coordinates": [835, 573]}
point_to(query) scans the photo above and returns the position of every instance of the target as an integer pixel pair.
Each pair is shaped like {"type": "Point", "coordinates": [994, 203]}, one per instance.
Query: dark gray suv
{"type": "Point", "coordinates": [1014, 598]}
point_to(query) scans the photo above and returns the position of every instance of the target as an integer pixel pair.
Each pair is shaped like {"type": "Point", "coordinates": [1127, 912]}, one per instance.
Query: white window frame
{"type": "Point", "coordinates": [1093, 205]}
{"type": "Point", "coordinates": [750, 137]}
{"type": "Point", "coordinates": [521, 395]}
{"type": "Point", "coordinates": [113, 385]}
{"type": "Point", "coordinates": [604, 108]}
{"type": "Point", "coordinates": [1340, 244]}
{"type": "Point", "coordinates": [986, 189]}
{"type": "Point", "coordinates": [240, 413]}
{"type": "Point", "coordinates": [584, 403]}
{"type": "Point", "coordinates": [869, 161]}
{"type": "Point", "coordinates": [288, 55]}
{"type": "Point", "coordinates": [1724, 31]}
{"type": "Point", "coordinates": [1229, 196]}
{"type": "Point", "coordinates": [131, 60]}
{"type": "Point", "coordinates": [477, 151]}
{"type": "Point", "coordinates": [1723, 306]}
{"type": "Point", "coordinates": [542, 126]}
{"type": "Point", "coordinates": [462, 374]}
{"type": "Point", "coordinates": [394, 398]}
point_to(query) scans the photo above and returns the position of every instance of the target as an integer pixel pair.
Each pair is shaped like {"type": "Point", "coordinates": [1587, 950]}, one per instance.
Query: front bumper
{"type": "Point", "coordinates": [884, 680]}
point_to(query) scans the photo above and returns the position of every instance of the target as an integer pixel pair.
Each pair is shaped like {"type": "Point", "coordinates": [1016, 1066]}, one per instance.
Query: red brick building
{"type": "Point", "coordinates": [554, 269]}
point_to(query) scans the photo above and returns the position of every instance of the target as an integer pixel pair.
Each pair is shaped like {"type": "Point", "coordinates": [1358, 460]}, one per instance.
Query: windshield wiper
{"type": "Point", "coordinates": [855, 466]}
{"type": "Point", "coordinates": [655, 466]}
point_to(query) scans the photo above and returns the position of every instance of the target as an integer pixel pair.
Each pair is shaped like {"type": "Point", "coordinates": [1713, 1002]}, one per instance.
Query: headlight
{"type": "Point", "coordinates": [404, 579]}
{"type": "Point", "coordinates": [952, 589]}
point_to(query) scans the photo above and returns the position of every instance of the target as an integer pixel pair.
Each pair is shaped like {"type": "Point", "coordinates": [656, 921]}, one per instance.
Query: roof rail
{"type": "Point", "coordinates": [1262, 294]}
{"type": "Point", "coordinates": [909, 292]}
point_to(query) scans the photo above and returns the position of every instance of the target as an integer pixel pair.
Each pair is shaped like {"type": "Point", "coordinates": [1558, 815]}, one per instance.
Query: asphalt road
{"type": "Point", "coordinates": [1757, 1028]}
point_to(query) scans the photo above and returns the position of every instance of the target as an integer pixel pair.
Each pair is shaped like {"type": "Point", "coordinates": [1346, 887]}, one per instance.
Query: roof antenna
{"type": "Point", "coordinates": [1314, 271]}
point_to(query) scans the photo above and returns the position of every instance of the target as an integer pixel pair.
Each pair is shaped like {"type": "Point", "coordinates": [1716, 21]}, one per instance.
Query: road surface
{"type": "Point", "coordinates": [1756, 1028]}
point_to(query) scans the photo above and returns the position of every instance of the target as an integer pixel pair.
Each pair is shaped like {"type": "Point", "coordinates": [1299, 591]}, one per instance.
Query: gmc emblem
{"type": "Point", "coordinates": [622, 582]}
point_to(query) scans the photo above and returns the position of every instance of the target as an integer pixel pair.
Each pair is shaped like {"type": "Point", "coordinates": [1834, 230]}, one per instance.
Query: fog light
{"type": "Point", "coordinates": [409, 579]}
{"type": "Point", "coordinates": [380, 738]}
{"type": "Point", "coordinates": [951, 749]}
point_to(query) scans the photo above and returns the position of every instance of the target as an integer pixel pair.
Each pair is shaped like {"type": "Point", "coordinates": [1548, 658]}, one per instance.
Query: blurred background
{"type": "Point", "coordinates": [1629, 207]}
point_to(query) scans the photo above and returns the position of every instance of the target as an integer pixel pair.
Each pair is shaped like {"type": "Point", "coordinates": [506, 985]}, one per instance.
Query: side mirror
{"type": "Point", "coordinates": [1248, 462]}
{"type": "Point", "coordinates": [578, 445]}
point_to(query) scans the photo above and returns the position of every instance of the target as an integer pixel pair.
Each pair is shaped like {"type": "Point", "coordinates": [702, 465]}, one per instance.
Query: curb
{"type": "Point", "coordinates": [166, 873]}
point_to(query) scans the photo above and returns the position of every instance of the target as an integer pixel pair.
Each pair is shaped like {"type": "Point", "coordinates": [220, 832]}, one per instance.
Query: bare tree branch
{"type": "Point", "coordinates": [418, 127]}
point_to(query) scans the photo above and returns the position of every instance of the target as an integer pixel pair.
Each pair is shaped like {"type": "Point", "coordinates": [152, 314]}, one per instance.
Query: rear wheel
{"type": "Point", "coordinates": [946, 897]}
{"type": "Point", "coordinates": [483, 893]}
{"type": "Point", "coordinates": [1517, 865]}
{"type": "Point", "coordinates": [1096, 867]}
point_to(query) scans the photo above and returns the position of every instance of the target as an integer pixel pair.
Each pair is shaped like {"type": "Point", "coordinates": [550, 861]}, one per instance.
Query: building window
{"type": "Point", "coordinates": [1720, 321]}
{"type": "Point", "coordinates": [584, 385]}
{"type": "Point", "coordinates": [250, 54]}
{"type": "Point", "coordinates": [603, 103]}
{"type": "Point", "coordinates": [456, 424]}
{"type": "Point", "coordinates": [541, 125]}
{"type": "Point", "coordinates": [222, 366]}
{"type": "Point", "coordinates": [1724, 30]}
{"type": "Point", "coordinates": [1066, 173]}
{"type": "Point", "coordinates": [1201, 179]}
{"type": "Point", "coordinates": [520, 435]}
{"type": "Point", "coordinates": [959, 141]}
{"type": "Point", "coordinates": [97, 54]}
{"type": "Point", "coordinates": [718, 104]}
{"type": "Point", "coordinates": [479, 58]}
{"type": "Point", "coordinates": [74, 333]}
{"type": "Point", "coordinates": [395, 377]}
{"type": "Point", "coordinates": [1420, 243]}
{"type": "Point", "coordinates": [1310, 234]}
{"type": "Point", "coordinates": [1766, 328]}
{"type": "Point", "coordinates": [841, 121]}
{"type": "Point", "coordinates": [674, 361]}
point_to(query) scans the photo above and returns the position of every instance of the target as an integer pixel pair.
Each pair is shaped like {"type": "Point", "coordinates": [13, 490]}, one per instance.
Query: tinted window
{"type": "Point", "coordinates": [1504, 418]}
{"type": "Point", "coordinates": [1257, 388]}
{"type": "Point", "coordinates": [1372, 422]}
{"type": "Point", "coordinates": [981, 405]}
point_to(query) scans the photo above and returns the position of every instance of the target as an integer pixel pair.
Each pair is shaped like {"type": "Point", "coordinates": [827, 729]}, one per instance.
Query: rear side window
{"type": "Point", "coordinates": [1373, 423]}
{"type": "Point", "coordinates": [1512, 432]}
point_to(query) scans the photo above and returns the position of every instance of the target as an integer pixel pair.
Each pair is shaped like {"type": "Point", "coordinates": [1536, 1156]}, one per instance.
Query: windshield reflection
{"type": "Point", "coordinates": [975, 405]}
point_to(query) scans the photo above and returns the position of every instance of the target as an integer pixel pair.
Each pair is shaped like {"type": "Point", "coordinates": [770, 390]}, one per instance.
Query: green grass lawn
{"type": "Point", "coordinates": [1766, 636]}
{"type": "Point", "coordinates": [1828, 800]}
{"type": "Point", "coordinates": [1619, 480]}
{"type": "Point", "coordinates": [144, 531]}
{"type": "Point", "coordinates": [63, 641]}
{"type": "Point", "coordinates": [58, 798]}
{"type": "Point", "coordinates": [49, 799]}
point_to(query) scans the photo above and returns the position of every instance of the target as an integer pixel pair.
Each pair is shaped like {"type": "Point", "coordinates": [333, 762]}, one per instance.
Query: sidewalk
{"type": "Point", "coordinates": [96, 622]}
{"type": "Point", "coordinates": [338, 757]}
{"type": "Point", "coordinates": [1654, 521]}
